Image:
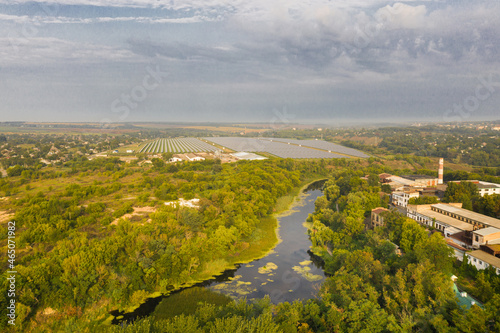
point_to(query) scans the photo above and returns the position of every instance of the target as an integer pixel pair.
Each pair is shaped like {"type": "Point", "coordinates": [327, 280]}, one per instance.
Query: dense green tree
{"type": "Point", "coordinates": [424, 200]}
{"type": "Point", "coordinates": [489, 205]}
{"type": "Point", "coordinates": [464, 192]}
{"type": "Point", "coordinates": [413, 236]}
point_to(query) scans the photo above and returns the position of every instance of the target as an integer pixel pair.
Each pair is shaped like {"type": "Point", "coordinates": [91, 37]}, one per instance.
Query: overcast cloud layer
{"type": "Point", "coordinates": [271, 61]}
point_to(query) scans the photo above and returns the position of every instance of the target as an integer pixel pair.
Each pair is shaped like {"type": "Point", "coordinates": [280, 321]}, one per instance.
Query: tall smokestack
{"type": "Point", "coordinates": [440, 171]}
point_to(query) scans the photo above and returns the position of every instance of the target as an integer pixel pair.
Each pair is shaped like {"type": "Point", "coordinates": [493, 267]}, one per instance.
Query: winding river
{"type": "Point", "coordinates": [289, 272]}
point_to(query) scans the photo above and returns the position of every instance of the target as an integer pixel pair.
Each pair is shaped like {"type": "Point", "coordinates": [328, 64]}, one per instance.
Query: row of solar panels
{"type": "Point", "coordinates": [277, 148]}
{"type": "Point", "coordinates": [320, 144]}
{"type": "Point", "coordinates": [177, 146]}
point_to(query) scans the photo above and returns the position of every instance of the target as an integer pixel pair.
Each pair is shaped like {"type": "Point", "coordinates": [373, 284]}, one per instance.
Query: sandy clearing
{"type": "Point", "coordinates": [138, 211]}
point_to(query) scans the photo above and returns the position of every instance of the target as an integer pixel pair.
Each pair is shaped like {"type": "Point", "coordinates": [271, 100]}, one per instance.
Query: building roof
{"type": "Point", "coordinates": [451, 221]}
{"type": "Point", "coordinates": [379, 210]}
{"type": "Point", "coordinates": [461, 237]}
{"type": "Point", "coordinates": [242, 155]}
{"type": "Point", "coordinates": [466, 299]}
{"type": "Point", "coordinates": [455, 245]}
{"type": "Point", "coordinates": [486, 257]}
{"type": "Point", "coordinates": [493, 247]}
{"type": "Point", "coordinates": [487, 185]}
{"type": "Point", "coordinates": [395, 185]}
{"type": "Point", "coordinates": [384, 175]}
{"type": "Point", "coordinates": [406, 191]}
{"type": "Point", "coordinates": [480, 184]}
{"type": "Point", "coordinates": [415, 177]}
{"type": "Point", "coordinates": [487, 231]}
{"type": "Point", "coordinates": [469, 214]}
{"type": "Point", "coordinates": [401, 180]}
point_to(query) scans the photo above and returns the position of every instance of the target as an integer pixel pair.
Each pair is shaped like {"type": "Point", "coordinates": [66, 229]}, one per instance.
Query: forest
{"type": "Point", "coordinates": [95, 235]}
{"type": "Point", "coordinates": [372, 287]}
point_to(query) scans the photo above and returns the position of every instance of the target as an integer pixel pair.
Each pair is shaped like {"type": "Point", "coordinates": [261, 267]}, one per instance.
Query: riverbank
{"type": "Point", "coordinates": [266, 237]}
{"type": "Point", "coordinates": [258, 245]}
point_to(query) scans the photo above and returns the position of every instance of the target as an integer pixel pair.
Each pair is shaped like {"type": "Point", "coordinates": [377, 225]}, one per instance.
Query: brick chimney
{"type": "Point", "coordinates": [440, 171]}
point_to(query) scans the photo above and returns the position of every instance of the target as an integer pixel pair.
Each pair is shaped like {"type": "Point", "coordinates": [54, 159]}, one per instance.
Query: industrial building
{"type": "Point", "coordinates": [483, 187]}
{"type": "Point", "coordinates": [483, 260]}
{"type": "Point", "coordinates": [405, 187]}
{"type": "Point", "coordinates": [464, 230]}
{"type": "Point", "coordinates": [402, 198]}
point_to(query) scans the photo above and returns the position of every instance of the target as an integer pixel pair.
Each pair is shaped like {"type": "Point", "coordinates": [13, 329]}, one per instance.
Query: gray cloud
{"type": "Point", "coordinates": [236, 58]}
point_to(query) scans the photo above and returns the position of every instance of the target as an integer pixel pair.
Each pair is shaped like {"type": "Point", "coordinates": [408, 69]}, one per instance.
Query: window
{"type": "Point", "coordinates": [477, 238]}
{"type": "Point", "coordinates": [475, 260]}
{"type": "Point", "coordinates": [480, 262]}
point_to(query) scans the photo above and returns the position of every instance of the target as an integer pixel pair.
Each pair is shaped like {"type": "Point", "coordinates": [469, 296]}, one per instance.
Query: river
{"type": "Point", "coordinates": [289, 272]}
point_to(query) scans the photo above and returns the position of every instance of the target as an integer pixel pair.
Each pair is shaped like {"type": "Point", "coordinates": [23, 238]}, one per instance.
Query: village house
{"type": "Point", "coordinates": [376, 219]}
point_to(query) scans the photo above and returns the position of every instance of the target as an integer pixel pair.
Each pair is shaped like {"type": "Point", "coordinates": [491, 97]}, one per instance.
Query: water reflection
{"type": "Point", "coordinates": [290, 272]}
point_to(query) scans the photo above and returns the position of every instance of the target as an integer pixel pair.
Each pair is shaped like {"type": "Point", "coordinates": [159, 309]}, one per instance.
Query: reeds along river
{"type": "Point", "coordinates": [287, 273]}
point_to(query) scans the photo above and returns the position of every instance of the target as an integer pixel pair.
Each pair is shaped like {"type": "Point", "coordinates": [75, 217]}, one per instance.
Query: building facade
{"type": "Point", "coordinates": [402, 198]}
{"type": "Point", "coordinates": [483, 187]}
{"type": "Point", "coordinates": [376, 220]}
{"type": "Point", "coordinates": [486, 236]}
{"type": "Point", "coordinates": [482, 260]}
{"type": "Point", "coordinates": [434, 216]}
{"type": "Point", "coordinates": [463, 230]}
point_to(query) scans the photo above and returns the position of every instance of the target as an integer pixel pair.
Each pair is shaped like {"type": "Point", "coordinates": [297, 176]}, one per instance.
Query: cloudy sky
{"type": "Point", "coordinates": [249, 60]}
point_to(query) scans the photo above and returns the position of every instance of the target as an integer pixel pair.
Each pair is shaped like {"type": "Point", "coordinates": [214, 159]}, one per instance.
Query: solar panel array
{"type": "Point", "coordinates": [279, 149]}
{"type": "Point", "coordinates": [181, 145]}
{"type": "Point", "coordinates": [320, 144]}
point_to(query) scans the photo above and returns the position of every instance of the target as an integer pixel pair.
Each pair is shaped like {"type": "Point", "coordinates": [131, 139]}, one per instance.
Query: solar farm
{"type": "Point", "coordinates": [288, 148]}
{"type": "Point", "coordinates": [284, 148]}
{"type": "Point", "coordinates": [181, 145]}
{"type": "Point", "coordinates": [324, 145]}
